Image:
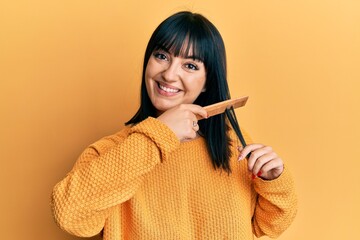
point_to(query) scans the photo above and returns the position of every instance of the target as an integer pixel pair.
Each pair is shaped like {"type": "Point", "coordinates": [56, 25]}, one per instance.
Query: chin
{"type": "Point", "coordinates": [164, 106]}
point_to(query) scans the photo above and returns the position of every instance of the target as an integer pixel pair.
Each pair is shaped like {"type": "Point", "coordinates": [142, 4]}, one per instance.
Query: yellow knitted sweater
{"type": "Point", "coordinates": [142, 183]}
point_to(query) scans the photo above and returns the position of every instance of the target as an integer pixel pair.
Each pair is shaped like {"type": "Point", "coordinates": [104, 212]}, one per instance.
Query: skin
{"type": "Point", "coordinates": [263, 161]}
{"type": "Point", "coordinates": [173, 83]}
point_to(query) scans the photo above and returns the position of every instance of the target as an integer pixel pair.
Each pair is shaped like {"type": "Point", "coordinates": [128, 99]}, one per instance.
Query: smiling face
{"type": "Point", "coordinates": [172, 80]}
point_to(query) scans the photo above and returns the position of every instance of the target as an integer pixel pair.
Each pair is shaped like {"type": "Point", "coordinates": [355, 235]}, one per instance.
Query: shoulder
{"type": "Point", "coordinates": [106, 142]}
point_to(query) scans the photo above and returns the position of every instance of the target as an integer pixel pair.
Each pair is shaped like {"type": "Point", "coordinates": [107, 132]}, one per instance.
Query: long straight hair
{"type": "Point", "coordinates": [198, 33]}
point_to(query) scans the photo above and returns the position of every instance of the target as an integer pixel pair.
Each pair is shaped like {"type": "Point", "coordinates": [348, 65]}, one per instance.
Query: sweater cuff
{"type": "Point", "coordinates": [159, 133]}
{"type": "Point", "coordinates": [283, 183]}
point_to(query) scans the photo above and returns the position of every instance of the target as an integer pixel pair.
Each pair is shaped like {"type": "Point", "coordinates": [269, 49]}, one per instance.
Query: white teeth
{"type": "Point", "coordinates": [171, 90]}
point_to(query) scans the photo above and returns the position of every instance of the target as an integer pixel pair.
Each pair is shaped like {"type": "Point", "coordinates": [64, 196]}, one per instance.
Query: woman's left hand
{"type": "Point", "coordinates": [263, 161]}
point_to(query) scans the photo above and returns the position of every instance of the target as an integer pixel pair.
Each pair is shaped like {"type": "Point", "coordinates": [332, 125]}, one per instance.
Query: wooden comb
{"type": "Point", "coordinates": [220, 107]}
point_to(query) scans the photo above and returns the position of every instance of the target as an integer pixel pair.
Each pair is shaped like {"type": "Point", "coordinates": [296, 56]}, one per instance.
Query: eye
{"type": "Point", "coordinates": [160, 56]}
{"type": "Point", "coordinates": [191, 66]}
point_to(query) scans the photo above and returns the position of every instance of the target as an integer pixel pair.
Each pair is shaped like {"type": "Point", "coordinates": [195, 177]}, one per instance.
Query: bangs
{"type": "Point", "coordinates": [184, 40]}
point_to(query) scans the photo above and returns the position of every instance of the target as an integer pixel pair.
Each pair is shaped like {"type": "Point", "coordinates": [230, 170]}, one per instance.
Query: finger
{"type": "Point", "coordinates": [248, 149]}
{"type": "Point", "coordinates": [255, 155]}
{"type": "Point", "coordinates": [272, 169]}
{"type": "Point", "coordinates": [188, 130]}
{"type": "Point", "coordinates": [262, 161]}
{"type": "Point", "coordinates": [192, 134]}
{"type": "Point", "coordinates": [195, 126]}
{"type": "Point", "coordinates": [196, 109]}
{"type": "Point", "coordinates": [240, 148]}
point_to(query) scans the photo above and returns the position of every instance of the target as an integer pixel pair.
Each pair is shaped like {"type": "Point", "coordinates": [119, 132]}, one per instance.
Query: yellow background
{"type": "Point", "coordinates": [70, 74]}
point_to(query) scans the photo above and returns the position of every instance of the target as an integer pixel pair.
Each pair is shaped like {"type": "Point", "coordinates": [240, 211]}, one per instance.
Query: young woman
{"type": "Point", "coordinates": [167, 175]}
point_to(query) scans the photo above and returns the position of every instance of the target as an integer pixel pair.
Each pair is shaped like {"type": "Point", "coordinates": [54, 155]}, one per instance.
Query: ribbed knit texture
{"type": "Point", "coordinates": [142, 183]}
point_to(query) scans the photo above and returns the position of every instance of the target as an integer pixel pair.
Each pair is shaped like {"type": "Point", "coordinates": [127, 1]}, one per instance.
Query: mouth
{"type": "Point", "coordinates": [168, 89]}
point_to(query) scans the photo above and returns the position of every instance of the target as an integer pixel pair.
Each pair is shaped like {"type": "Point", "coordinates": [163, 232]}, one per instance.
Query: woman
{"type": "Point", "coordinates": [168, 176]}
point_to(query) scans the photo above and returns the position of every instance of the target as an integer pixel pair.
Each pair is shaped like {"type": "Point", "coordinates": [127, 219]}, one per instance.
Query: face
{"type": "Point", "coordinates": [171, 80]}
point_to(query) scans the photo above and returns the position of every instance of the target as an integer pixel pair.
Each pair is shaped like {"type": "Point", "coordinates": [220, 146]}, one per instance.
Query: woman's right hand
{"type": "Point", "coordinates": [182, 120]}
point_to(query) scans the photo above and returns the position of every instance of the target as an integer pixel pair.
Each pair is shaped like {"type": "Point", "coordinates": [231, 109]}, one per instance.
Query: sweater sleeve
{"type": "Point", "coordinates": [276, 205]}
{"type": "Point", "coordinates": [107, 174]}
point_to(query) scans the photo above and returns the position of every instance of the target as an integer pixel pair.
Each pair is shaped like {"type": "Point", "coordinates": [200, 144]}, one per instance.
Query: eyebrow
{"type": "Point", "coordinates": [193, 57]}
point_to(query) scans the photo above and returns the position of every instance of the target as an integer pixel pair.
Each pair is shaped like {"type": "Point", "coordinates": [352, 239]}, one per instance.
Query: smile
{"type": "Point", "coordinates": [167, 89]}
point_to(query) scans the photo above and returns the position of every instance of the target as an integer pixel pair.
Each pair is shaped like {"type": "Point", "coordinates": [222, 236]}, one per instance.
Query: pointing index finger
{"type": "Point", "coordinates": [198, 110]}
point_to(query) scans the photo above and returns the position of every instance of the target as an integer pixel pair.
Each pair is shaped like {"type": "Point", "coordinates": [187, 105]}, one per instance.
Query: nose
{"type": "Point", "coordinates": [171, 72]}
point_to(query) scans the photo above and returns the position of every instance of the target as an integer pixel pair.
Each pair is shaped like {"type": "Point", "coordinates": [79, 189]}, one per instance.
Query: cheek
{"type": "Point", "coordinates": [151, 67]}
{"type": "Point", "coordinates": [195, 85]}
{"type": "Point", "coordinates": [200, 82]}
{"type": "Point", "coordinates": [203, 83]}
{"type": "Point", "coordinates": [148, 73]}
{"type": "Point", "coordinates": [202, 78]}
{"type": "Point", "coordinates": [148, 83]}
{"type": "Point", "coordinates": [149, 86]}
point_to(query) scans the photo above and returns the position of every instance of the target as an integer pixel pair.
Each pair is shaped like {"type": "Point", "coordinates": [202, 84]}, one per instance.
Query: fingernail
{"type": "Point", "coordinates": [259, 173]}
{"type": "Point", "coordinates": [241, 157]}
{"type": "Point", "coordinates": [240, 148]}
